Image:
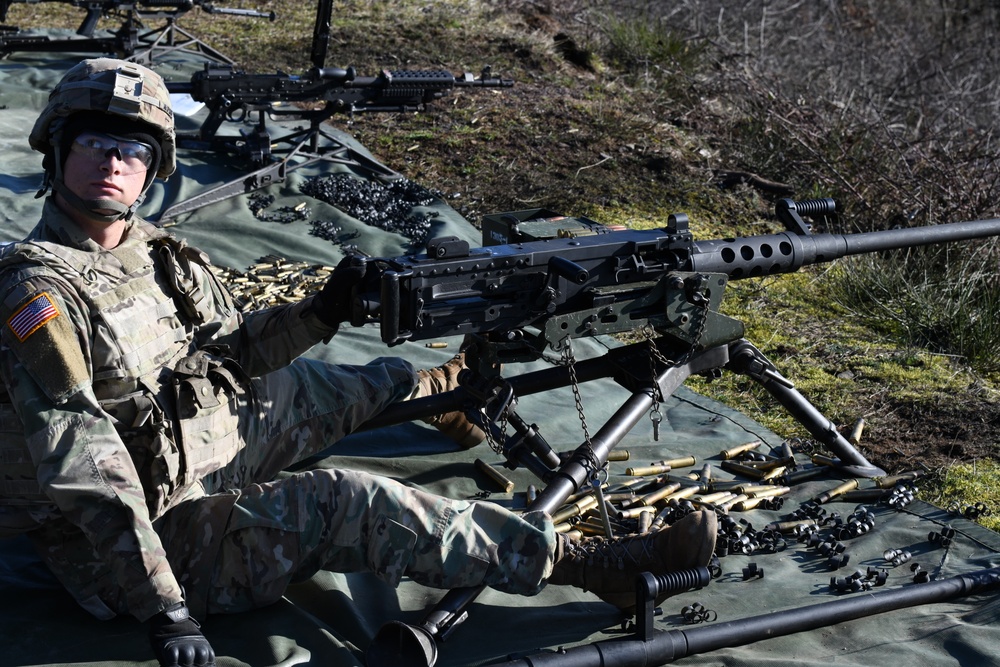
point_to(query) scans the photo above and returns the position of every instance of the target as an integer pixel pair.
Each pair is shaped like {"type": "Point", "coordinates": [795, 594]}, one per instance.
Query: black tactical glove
{"type": "Point", "coordinates": [177, 640]}
{"type": "Point", "coordinates": [333, 302]}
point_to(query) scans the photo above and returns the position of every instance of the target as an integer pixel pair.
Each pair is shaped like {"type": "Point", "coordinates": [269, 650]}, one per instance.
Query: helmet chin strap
{"type": "Point", "coordinates": [96, 209]}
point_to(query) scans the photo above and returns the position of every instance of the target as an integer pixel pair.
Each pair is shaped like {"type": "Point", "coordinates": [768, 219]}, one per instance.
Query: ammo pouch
{"type": "Point", "coordinates": [208, 389]}
{"type": "Point", "coordinates": [144, 430]}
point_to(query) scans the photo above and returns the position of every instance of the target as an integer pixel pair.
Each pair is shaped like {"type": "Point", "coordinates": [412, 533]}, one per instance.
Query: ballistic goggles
{"type": "Point", "coordinates": [135, 156]}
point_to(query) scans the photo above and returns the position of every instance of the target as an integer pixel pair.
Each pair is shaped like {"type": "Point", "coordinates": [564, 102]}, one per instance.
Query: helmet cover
{"type": "Point", "coordinates": [117, 88]}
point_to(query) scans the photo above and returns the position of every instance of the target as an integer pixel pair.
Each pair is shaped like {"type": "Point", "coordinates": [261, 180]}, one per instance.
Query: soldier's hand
{"type": "Point", "coordinates": [177, 640]}
{"type": "Point", "coordinates": [333, 302]}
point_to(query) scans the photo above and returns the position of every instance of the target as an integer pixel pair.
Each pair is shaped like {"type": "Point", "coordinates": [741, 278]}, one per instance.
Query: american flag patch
{"type": "Point", "coordinates": [30, 317]}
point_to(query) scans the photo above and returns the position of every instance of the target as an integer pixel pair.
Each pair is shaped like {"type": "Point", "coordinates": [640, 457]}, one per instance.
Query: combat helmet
{"type": "Point", "coordinates": [119, 93]}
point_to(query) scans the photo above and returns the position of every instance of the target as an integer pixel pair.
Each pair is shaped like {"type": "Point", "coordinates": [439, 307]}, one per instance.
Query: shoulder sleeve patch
{"type": "Point", "coordinates": [32, 316]}
{"type": "Point", "coordinates": [45, 341]}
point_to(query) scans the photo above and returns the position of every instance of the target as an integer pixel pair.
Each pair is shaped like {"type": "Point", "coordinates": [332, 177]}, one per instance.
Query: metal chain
{"type": "Point", "coordinates": [490, 440]}
{"type": "Point", "coordinates": [592, 465]}
{"type": "Point", "coordinates": [656, 355]}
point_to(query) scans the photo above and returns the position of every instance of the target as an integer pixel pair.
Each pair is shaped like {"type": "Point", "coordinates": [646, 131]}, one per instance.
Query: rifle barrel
{"type": "Point", "coordinates": [669, 645]}
{"type": "Point", "coordinates": [786, 252]}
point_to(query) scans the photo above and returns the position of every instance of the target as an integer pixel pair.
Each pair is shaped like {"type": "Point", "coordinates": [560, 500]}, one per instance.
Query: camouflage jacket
{"type": "Point", "coordinates": [122, 370]}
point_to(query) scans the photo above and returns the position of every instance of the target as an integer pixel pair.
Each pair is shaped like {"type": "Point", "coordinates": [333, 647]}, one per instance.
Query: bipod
{"type": "Point", "coordinates": [746, 359]}
{"type": "Point", "coordinates": [402, 645]}
{"type": "Point", "coordinates": [305, 149]}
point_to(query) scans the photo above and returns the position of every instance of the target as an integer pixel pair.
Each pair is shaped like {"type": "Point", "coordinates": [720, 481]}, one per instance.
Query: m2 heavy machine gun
{"type": "Point", "coordinates": [127, 41]}
{"type": "Point", "coordinates": [551, 280]}
{"type": "Point", "coordinates": [231, 95]}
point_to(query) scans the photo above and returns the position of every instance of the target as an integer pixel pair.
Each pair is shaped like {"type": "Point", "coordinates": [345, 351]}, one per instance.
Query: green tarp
{"type": "Point", "coordinates": [331, 619]}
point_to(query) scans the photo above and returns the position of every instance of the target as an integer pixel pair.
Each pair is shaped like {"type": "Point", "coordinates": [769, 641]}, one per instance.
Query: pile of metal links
{"type": "Point", "coordinates": [388, 206]}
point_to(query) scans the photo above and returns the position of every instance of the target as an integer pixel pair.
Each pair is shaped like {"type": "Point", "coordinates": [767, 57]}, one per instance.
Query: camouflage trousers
{"type": "Point", "coordinates": [257, 530]}
{"type": "Point", "coordinates": [253, 529]}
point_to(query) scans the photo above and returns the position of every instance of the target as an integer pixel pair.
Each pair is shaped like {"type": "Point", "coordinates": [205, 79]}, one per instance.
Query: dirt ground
{"type": "Point", "coordinates": [909, 438]}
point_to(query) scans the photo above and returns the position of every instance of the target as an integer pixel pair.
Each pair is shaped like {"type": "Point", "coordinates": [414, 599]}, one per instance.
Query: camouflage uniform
{"type": "Point", "coordinates": [146, 420]}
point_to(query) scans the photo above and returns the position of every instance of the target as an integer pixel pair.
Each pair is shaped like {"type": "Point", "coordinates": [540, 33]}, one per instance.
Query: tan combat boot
{"type": "Point", "coordinates": [609, 568]}
{"type": "Point", "coordinates": [455, 424]}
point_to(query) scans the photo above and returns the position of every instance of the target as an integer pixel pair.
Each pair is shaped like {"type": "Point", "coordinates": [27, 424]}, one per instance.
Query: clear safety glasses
{"type": "Point", "coordinates": [134, 155]}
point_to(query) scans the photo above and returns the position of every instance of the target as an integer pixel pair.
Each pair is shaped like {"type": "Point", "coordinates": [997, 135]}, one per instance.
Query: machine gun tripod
{"type": "Point", "coordinates": [629, 365]}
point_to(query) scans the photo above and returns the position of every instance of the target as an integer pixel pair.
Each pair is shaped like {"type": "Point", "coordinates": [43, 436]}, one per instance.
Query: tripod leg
{"type": "Point", "coordinates": [746, 359]}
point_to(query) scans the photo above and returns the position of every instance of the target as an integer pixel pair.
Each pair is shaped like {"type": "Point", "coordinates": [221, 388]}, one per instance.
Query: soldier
{"type": "Point", "coordinates": [146, 418]}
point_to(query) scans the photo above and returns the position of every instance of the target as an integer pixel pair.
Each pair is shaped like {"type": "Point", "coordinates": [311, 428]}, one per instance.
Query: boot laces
{"type": "Point", "coordinates": [618, 553]}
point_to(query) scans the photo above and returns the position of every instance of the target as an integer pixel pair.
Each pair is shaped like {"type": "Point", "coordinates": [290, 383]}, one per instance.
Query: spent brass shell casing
{"type": "Point", "coordinates": [740, 469]}
{"type": "Point", "coordinates": [767, 491]}
{"type": "Point", "coordinates": [821, 460]}
{"type": "Point", "coordinates": [734, 485]}
{"type": "Point", "coordinates": [713, 498]}
{"type": "Point", "coordinates": [619, 455]}
{"type": "Point", "coordinates": [804, 473]}
{"type": "Point", "coordinates": [495, 475]}
{"type": "Point", "coordinates": [863, 495]}
{"type": "Point", "coordinates": [645, 521]}
{"type": "Point", "coordinates": [732, 502]}
{"type": "Point", "coordinates": [641, 481]}
{"type": "Point", "coordinates": [594, 528]}
{"type": "Point", "coordinates": [586, 491]}
{"type": "Point", "coordinates": [789, 526]}
{"type": "Point", "coordinates": [733, 452]}
{"type": "Point", "coordinates": [747, 505]}
{"type": "Point", "coordinates": [769, 464]}
{"type": "Point", "coordinates": [687, 481]}
{"type": "Point", "coordinates": [892, 480]}
{"type": "Point", "coordinates": [827, 496]}
{"type": "Point", "coordinates": [774, 474]}
{"type": "Point", "coordinates": [654, 497]}
{"type": "Point", "coordinates": [436, 346]}
{"type": "Point", "coordinates": [702, 503]}
{"type": "Point", "coordinates": [633, 512]}
{"type": "Point", "coordinates": [660, 520]}
{"type": "Point", "coordinates": [855, 436]}
{"type": "Point", "coordinates": [683, 492]}
{"type": "Point", "coordinates": [647, 471]}
{"type": "Point", "coordinates": [575, 509]}
{"type": "Point", "coordinates": [786, 451]}
{"type": "Point", "coordinates": [682, 462]}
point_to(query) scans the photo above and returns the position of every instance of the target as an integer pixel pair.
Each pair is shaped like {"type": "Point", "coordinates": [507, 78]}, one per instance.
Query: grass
{"type": "Point", "coordinates": [972, 485]}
